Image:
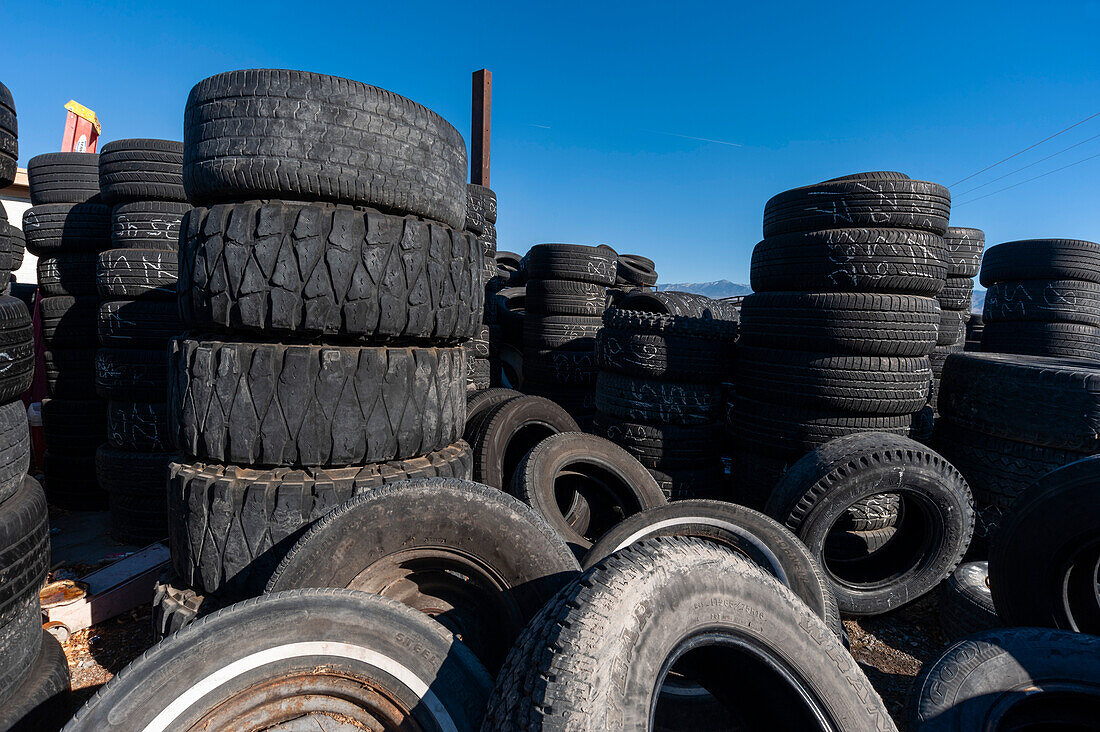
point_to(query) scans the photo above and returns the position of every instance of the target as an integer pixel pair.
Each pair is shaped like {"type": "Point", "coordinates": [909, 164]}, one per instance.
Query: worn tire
{"type": "Point", "coordinates": [132, 373]}
{"type": "Point", "coordinates": [230, 526]}
{"type": "Point", "coordinates": [661, 402]}
{"type": "Point", "coordinates": [69, 322]}
{"type": "Point", "coordinates": [42, 701]}
{"type": "Point", "coordinates": [9, 138]}
{"type": "Point", "coordinates": [138, 323]}
{"type": "Point", "coordinates": [509, 431]}
{"type": "Point", "coordinates": [665, 347]}
{"type": "Point", "coordinates": [1041, 259]}
{"type": "Point", "coordinates": [576, 262]}
{"type": "Point", "coordinates": [963, 251]}
{"type": "Point", "coordinates": [563, 332]}
{"type": "Point", "coordinates": [137, 274]}
{"type": "Point", "coordinates": [481, 208]}
{"type": "Point", "coordinates": [12, 245]}
{"type": "Point", "coordinates": [67, 274]}
{"type": "Point", "coordinates": [965, 602]}
{"type": "Point", "coordinates": [663, 446]}
{"type": "Point", "coordinates": [952, 330]}
{"type": "Point", "coordinates": [140, 426]}
{"type": "Point", "coordinates": [267, 133]}
{"type": "Point", "coordinates": [565, 297]}
{"type": "Point", "coordinates": [147, 225]}
{"type": "Point", "coordinates": [634, 270]}
{"type": "Point", "coordinates": [16, 348]}
{"type": "Point", "coordinates": [63, 177]}
{"type": "Point", "coordinates": [70, 372]}
{"type": "Point", "coordinates": [480, 403]}
{"type": "Point", "coordinates": [141, 170]}
{"type": "Point", "coordinates": [313, 270]}
{"type": "Point", "coordinates": [136, 486]}
{"type": "Point", "coordinates": [15, 448]}
{"type": "Point", "coordinates": [957, 294]}
{"type": "Point", "coordinates": [66, 228]}
{"type": "Point", "coordinates": [1064, 340]}
{"type": "Point", "coordinates": [1051, 301]}
{"type": "Point", "coordinates": [679, 304]}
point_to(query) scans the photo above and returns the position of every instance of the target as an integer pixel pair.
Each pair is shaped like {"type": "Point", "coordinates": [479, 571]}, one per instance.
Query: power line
{"type": "Point", "coordinates": [1025, 167]}
{"type": "Point", "coordinates": [1037, 177]}
{"type": "Point", "coordinates": [1021, 152]}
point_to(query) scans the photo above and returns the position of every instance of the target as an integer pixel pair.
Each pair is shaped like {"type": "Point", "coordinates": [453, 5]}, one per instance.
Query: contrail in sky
{"type": "Point", "coordinates": [670, 134]}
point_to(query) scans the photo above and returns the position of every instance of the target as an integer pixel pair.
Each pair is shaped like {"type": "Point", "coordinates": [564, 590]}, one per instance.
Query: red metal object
{"type": "Point", "coordinates": [82, 129]}
{"type": "Point", "coordinates": [481, 122]}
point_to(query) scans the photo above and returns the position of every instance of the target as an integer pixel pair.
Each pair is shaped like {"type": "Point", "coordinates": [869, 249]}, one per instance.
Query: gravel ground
{"type": "Point", "coordinates": [890, 649]}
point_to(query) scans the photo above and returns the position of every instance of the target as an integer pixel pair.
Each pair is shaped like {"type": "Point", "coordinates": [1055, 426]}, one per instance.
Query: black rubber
{"type": "Point", "coordinates": [230, 526]}
{"type": "Point", "coordinates": [176, 605]}
{"type": "Point", "coordinates": [67, 228]}
{"type": "Point", "coordinates": [42, 701]}
{"type": "Point", "coordinates": [875, 385]}
{"type": "Point", "coordinates": [9, 138]}
{"type": "Point", "coordinates": [133, 274]}
{"type": "Point", "coordinates": [1065, 340]}
{"type": "Point", "coordinates": [1041, 259]}
{"type": "Point", "coordinates": [67, 274]}
{"type": "Point", "coordinates": [74, 426]}
{"type": "Point", "coordinates": [314, 270]}
{"type": "Point", "coordinates": [929, 539]}
{"type": "Point", "coordinates": [669, 347]}
{"type": "Point", "coordinates": [136, 486]}
{"type": "Point", "coordinates": [71, 482]}
{"type": "Point", "coordinates": [479, 403]}
{"type": "Point", "coordinates": [839, 322]}
{"type": "Point", "coordinates": [132, 373]}
{"type": "Point", "coordinates": [956, 294]}
{"type": "Point", "coordinates": [147, 225]}
{"type": "Point", "coordinates": [267, 133]}
{"type": "Point", "coordinates": [964, 251]}
{"type": "Point", "coordinates": [16, 348]}
{"type": "Point", "coordinates": [69, 322]}
{"type": "Point", "coordinates": [662, 402]}
{"type": "Point", "coordinates": [893, 261]}
{"type": "Point", "coordinates": [481, 208]}
{"type": "Point", "coordinates": [635, 270]}
{"type": "Point", "coordinates": [142, 426]}
{"type": "Point", "coordinates": [611, 482]}
{"type": "Point", "coordinates": [663, 446]}
{"type": "Point", "coordinates": [434, 522]}
{"type": "Point", "coordinates": [565, 297]}
{"type": "Point", "coordinates": [1043, 560]}
{"type": "Point", "coordinates": [138, 323]}
{"type": "Point", "coordinates": [1051, 301]}
{"type": "Point", "coordinates": [15, 447]}
{"type": "Point", "coordinates": [70, 372]}
{"type": "Point", "coordinates": [880, 202]}
{"type": "Point", "coordinates": [332, 664]}
{"type": "Point", "coordinates": [952, 330]}
{"type": "Point", "coordinates": [634, 610]}
{"type": "Point", "coordinates": [966, 603]}
{"type": "Point", "coordinates": [12, 245]}
{"type": "Point", "coordinates": [565, 332]}
{"type": "Point", "coordinates": [553, 367]}
{"type": "Point", "coordinates": [63, 177]}
{"type": "Point", "coordinates": [683, 304]}
{"type": "Point", "coordinates": [576, 262]}
{"type": "Point", "coordinates": [1023, 678]}
{"type": "Point", "coordinates": [141, 170]}
{"type": "Point", "coordinates": [508, 431]}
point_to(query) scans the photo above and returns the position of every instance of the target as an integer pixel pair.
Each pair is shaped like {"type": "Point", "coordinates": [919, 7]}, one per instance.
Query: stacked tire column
{"type": "Point", "coordinates": [138, 315]}
{"type": "Point", "coordinates": [837, 337]}
{"type": "Point", "coordinates": [66, 227]}
{"type": "Point", "coordinates": [326, 354]}
{"type": "Point", "coordinates": [565, 300]}
{"type": "Point", "coordinates": [963, 255]}
{"type": "Point", "coordinates": [481, 218]}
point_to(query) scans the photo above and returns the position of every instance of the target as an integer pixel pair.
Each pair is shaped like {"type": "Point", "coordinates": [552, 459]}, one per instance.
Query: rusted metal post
{"type": "Point", "coordinates": [481, 122]}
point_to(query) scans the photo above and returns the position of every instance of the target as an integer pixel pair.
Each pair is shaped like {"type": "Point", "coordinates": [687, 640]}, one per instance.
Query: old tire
{"type": "Point", "coordinates": [137, 274]}
{"type": "Point", "coordinates": [63, 177]}
{"type": "Point", "coordinates": [965, 602]}
{"type": "Point", "coordinates": [66, 228]}
{"type": "Point", "coordinates": [147, 225]}
{"type": "Point", "coordinates": [42, 701]}
{"type": "Point", "coordinates": [132, 373]}
{"type": "Point", "coordinates": [509, 431]}
{"type": "Point", "coordinates": [141, 170]}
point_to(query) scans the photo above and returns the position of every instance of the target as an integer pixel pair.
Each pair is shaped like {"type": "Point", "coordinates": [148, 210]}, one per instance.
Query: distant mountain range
{"type": "Point", "coordinates": [977, 300]}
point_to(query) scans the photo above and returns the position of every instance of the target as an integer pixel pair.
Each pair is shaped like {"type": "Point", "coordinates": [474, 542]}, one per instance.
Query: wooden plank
{"type": "Point", "coordinates": [481, 122]}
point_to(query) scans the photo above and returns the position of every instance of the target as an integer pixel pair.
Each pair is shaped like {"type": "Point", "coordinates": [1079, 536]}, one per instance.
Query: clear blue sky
{"type": "Point", "coordinates": [596, 105]}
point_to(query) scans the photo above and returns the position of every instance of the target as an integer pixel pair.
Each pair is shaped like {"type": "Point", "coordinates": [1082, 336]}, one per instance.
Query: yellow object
{"type": "Point", "coordinates": [84, 113]}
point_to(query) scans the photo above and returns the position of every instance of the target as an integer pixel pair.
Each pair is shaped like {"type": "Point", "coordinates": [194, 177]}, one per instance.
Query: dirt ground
{"type": "Point", "coordinates": [890, 649]}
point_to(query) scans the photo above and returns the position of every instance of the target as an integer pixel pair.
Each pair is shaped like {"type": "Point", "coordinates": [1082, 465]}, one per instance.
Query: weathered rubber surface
{"type": "Point", "coordinates": [754, 475]}
{"type": "Point", "coordinates": [478, 373]}
{"type": "Point", "coordinates": [789, 432]}
{"type": "Point", "coordinates": [267, 133]}
{"type": "Point", "coordinates": [15, 447]}
{"type": "Point", "coordinates": [1041, 259]}
{"type": "Point", "coordinates": [815, 492]}
{"type": "Point", "coordinates": [176, 605]}
{"type": "Point", "coordinates": [481, 208]}
{"type": "Point", "coordinates": [147, 225]}
{"type": "Point", "coordinates": [315, 270]}
{"type": "Point", "coordinates": [875, 512]}
{"type": "Point", "coordinates": [979, 678]}
{"type": "Point", "coordinates": [137, 494]}
{"type": "Point", "coordinates": [663, 445]}
{"type": "Point", "coordinates": [839, 322]}
{"type": "Point", "coordinates": [12, 244]}
{"type": "Point", "coordinates": [334, 647]}
{"type": "Point", "coordinates": [956, 294]}
{"type": "Point", "coordinates": [952, 330]}
{"type": "Point", "coordinates": [74, 426]}
{"type": "Point", "coordinates": [964, 251]}
{"type": "Point", "coordinates": [141, 170]}
{"type": "Point", "coordinates": [894, 261]}
{"type": "Point", "coordinates": [565, 297]}
{"type": "Point", "coordinates": [508, 431]}
{"type": "Point", "coordinates": [883, 203]}
{"type": "Point", "coordinates": [67, 274]}
{"type": "Point", "coordinates": [565, 332]}
{"type": "Point", "coordinates": [63, 177]}
{"type": "Point", "coordinates": [612, 482]}
{"type": "Point", "coordinates": [877, 385]}
{"type": "Point", "coordinates": [705, 481]}
{"type": "Point", "coordinates": [1066, 340]}
{"type": "Point", "coordinates": [66, 228]}
{"type": "Point", "coordinates": [479, 403]}
{"type": "Point", "coordinates": [576, 262]}
{"type": "Point", "coordinates": [9, 138]}
{"type": "Point", "coordinates": [669, 347]}
{"type": "Point", "coordinates": [133, 274]}
{"type": "Point", "coordinates": [629, 612]}
{"type": "Point", "coordinates": [272, 404]}
{"type": "Point", "coordinates": [71, 482]}
{"type": "Point", "coordinates": [20, 633]}
{"type": "Point", "coordinates": [871, 175]}
{"type": "Point", "coordinates": [70, 372]}
{"type": "Point", "coordinates": [16, 348]}
{"type": "Point", "coordinates": [42, 701]}
{"type": "Point", "coordinates": [553, 366]}
{"type": "Point", "coordinates": [1045, 401]}
{"type": "Point", "coordinates": [997, 469]}
{"type": "Point", "coordinates": [230, 526]}
{"type": "Point", "coordinates": [662, 402]}
{"type": "Point", "coordinates": [635, 270]}
{"type": "Point", "coordinates": [132, 373]}
{"type": "Point", "coordinates": [1058, 301]}
{"type": "Point", "coordinates": [138, 323]}
{"type": "Point", "coordinates": [141, 426]}
{"type": "Point", "coordinates": [1053, 524]}
{"type": "Point", "coordinates": [683, 304]}
{"type": "Point", "coordinates": [69, 322]}
{"type": "Point", "coordinates": [966, 603]}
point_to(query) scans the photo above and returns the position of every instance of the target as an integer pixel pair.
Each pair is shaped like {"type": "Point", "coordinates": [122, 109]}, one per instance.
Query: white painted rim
{"type": "Point", "coordinates": [188, 698]}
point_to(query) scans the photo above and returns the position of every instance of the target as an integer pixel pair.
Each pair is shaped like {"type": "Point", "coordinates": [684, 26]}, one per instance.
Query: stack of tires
{"type": "Point", "coordinates": [662, 359]}
{"type": "Point", "coordinates": [565, 298]}
{"type": "Point", "coordinates": [326, 354]}
{"type": "Point", "coordinates": [963, 255]}
{"type": "Point", "coordinates": [66, 226]}
{"type": "Point", "coordinates": [835, 340]}
{"type": "Point", "coordinates": [633, 272]}
{"type": "Point", "coordinates": [1043, 298]}
{"type": "Point", "coordinates": [481, 219]}
{"type": "Point", "coordinates": [143, 182]}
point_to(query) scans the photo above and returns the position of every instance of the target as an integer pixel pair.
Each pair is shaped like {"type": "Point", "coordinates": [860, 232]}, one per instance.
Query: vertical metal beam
{"type": "Point", "coordinates": [481, 122]}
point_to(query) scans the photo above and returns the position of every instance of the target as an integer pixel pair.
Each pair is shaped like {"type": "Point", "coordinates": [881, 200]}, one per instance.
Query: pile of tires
{"type": "Point", "coordinates": [481, 219]}
{"type": "Point", "coordinates": [662, 359]}
{"type": "Point", "coordinates": [505, 314]}
{"type": "Point", "coordinates": [836, 337]}
{"type": "Point", "coordinates": [327, 312]}
{"type": "Point", "coordinates": [66, 227]}
{"type": "Point", "coordinates": [1009, 419]}
{"type": "Point", "coordinates": [963, 255]}
{"type": "Point", "coordinates": [633, 273]}
{"type": "Point", "coordinates": [1043, 298]}
{"type": "Point", "coordinates": [142, 180]}
{"type": "Point", "coordinates": [565, 297]}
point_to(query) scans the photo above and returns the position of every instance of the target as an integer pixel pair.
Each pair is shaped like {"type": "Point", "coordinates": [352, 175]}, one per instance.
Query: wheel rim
{"type": "Point", "coordinates": [1080, 589]}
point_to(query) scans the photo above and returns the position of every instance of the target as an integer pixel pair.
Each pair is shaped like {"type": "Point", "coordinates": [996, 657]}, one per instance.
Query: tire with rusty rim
{"type": "Point", "coordinates": [476, 559]}
{"type": "Point", "coordinates": [319, 655]}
